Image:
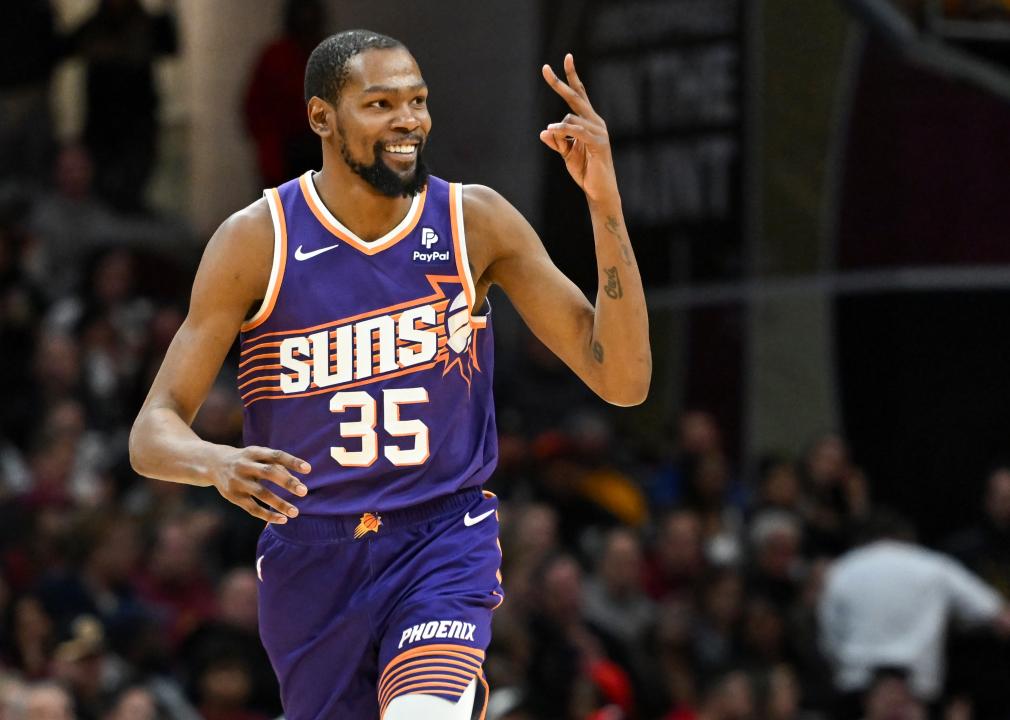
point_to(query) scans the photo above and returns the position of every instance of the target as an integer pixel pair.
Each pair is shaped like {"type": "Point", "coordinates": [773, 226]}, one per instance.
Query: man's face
{"type": "Point", "coordinates": [383, 121]}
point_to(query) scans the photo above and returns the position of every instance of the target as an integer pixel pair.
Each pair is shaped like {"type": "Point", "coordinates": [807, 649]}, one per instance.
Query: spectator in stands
{"type": "Point", "coordinates": [99, 585]}
{"type": "Point", "coordinates": [234, 632]}
{"type": "Point", "coordinates": [65, 426]}
{"type": "Point", "coordinates": [811, 666]}
{"type": "Point", "coordinates": [617, 607]}
{"type": "Point", "coordinates": [49, 701]}
{"type": "Point", "coordinates": [84, 664]}
{"type": "Point", "coordinates": [775, 539]}
{"type": "Point", "coordinates": [13, 693]}
{"type": "Point", "coordinates": [564, 648]}
{"type": "Point", "coordinates": [72, 224]}
{"type": "Point", "coordinates": [727, 696]}
{"type": "Point", "coordinates": [887, 603]}
{"type": "Point", "coordinates": [779, 486]}
{"type": "Point", "coordinates": [782, 701]}
{"type": "Point", "coordinates": [720, 608]}
{"type": "Point", "coordinates": [134, 702]}
{"type": "Point", "coordinates": [21, 306]}
{"type": "Point", "coordinates": [890, 697]}
{"type": "Point", "coordinates": [69, 222]}
{"type": "Point", "coordinates": [530, 534]}
{"type": "Point", "coordinates": [561, 474]}
{"type": "Point", "coordinates": [675, 663]}
{"type": "Point", "coordinates": [980, 662]}
{"type": "Point", "coordinates": [698, 439]}
{"type": "Point", "coordinates": [274, 105]}
{"type": "Point", "coordinates": [31, 50]}
{"type": "Point", "coordinates": [614, 600]}
{"type": "Point", "coordinates": [225, 687]}
{"type": "Point", "coordinates": [985, 548]}
{"type": "Point", "coordinates": [677, 561]}
{"type": "Point", "coordinates": [56, 371]}
{"type": "Point", "coordinates": [709, 492]}
{"type": "Point", "coordinates": [763, 641]}
{"type": "Point", "coordinates": [837, 496]}
{"type": "Point", "coordinates": [119, 44]}
{"type": "Point", "coordinates": [603, 482]}
{"type": "Point", "coordinates": [175, 581]}
{"type": "Point", "coordinates": [31, 636]}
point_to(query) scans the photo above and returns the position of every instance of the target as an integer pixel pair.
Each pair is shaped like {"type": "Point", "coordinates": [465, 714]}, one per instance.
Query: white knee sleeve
{"type": "Point", "coordinates": [429, 707]}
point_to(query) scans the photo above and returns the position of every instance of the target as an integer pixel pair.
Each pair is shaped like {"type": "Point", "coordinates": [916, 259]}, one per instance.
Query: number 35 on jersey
{"type": "Point", "coordinates": [410, 452]}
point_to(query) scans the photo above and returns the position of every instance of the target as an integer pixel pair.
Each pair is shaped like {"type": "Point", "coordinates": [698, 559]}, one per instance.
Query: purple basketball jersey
{"type": "Point", "coordinates": [364, 358]}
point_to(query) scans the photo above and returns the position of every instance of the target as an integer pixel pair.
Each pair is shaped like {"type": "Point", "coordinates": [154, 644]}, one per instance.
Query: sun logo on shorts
{"type": "Point", "coordinates": [369, 524]}
{"type": "Point", "coordinates": [461, 348]}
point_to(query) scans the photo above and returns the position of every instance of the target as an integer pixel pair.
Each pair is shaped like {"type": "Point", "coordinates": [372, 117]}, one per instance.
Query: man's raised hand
{"type": "Point", "coordinates": [581, 137]}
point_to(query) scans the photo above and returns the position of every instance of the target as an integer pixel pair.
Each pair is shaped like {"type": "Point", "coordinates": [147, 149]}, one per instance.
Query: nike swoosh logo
{"type": "Point", "coordinates": [259, 567]}
{"type": "Point", "coordinates": [299, 255]}
{"type": "Point", "coordinates": [468, 521]}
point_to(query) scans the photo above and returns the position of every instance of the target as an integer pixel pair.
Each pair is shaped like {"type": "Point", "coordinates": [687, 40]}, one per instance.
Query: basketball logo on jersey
{"type": "Point", "coordinates": [370, 523]}
{"type": "Point", "coordinates": [459, 339]}
{"type": "Point", "coordinates": [431, 254]}
{"type": "Point", "coordinates": [457, 325]}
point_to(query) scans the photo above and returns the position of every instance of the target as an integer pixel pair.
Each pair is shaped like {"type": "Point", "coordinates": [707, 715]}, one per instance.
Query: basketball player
{"type": "Point", "coordinates": [366, 356]}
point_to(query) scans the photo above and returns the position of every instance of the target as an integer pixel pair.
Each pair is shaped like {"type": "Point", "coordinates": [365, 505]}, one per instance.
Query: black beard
{"type": "Point", "coordinates": [380, 177]}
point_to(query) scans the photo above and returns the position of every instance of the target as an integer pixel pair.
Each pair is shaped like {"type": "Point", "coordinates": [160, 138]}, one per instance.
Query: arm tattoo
{"type": "Point", "coordinates": [598, 352]}
{"type": "Point", "coordinates": [615, 229]}
{"type": "Point", "coordinates": [613, 287]}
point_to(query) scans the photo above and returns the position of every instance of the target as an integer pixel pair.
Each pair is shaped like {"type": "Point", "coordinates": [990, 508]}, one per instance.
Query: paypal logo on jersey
{"type": "Point", "coordinates": [430, 255]}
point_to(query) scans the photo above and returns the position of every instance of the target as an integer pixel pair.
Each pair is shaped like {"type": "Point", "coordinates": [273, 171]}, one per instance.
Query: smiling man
{"type": "Point", "coordinates": [359, 294]}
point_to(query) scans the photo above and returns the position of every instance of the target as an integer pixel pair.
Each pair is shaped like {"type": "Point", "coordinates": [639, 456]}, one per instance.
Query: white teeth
{"type": "Point", "coordinates": [401, 149]}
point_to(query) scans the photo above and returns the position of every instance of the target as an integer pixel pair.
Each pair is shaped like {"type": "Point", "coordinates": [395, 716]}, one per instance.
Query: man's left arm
{"type": "Point", "coordinates": [606, 344]}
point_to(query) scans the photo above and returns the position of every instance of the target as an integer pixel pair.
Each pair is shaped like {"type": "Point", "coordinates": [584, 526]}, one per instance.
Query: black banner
{"type": "Point", "coordinates": [667, 76]}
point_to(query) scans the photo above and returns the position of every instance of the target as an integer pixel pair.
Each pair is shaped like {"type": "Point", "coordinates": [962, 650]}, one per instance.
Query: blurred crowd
{"type": "Point", "coordinates": [674, 583]}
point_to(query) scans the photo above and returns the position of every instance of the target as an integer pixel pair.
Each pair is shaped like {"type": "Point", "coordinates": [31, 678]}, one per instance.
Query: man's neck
{"type": "Point", "coordinates": [361, 208]}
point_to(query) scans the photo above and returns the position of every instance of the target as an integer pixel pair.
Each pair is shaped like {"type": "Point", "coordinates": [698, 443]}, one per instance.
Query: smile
{"type": "Point", "coordinates": [401, 149]}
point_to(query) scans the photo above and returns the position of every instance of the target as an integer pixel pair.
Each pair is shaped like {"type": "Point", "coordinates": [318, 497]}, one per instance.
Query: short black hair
{"type": "Point", "coordinates": [326, 70]}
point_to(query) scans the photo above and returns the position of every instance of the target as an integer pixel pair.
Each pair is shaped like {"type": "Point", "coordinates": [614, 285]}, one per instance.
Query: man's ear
{"type": "Point", "coordinates": [322, 116]}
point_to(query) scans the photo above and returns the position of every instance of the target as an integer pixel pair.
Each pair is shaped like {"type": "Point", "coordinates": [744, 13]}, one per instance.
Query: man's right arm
{"type": "Point", "coordinates": [233, 275]}
{"type": "Point", "coordinates": [972, 600]}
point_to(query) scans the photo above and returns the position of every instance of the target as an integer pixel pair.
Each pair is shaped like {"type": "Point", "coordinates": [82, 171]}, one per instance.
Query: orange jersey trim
{"type": "Point", "coordinates": [460, 652]}
{"type": "Point", "coordinates": [401, 686]}
{"type": "Point", "coordinates": [424, 670]}
{"type": "Point", "coordinates": [487, 694]}
{"type": "Point", "coordinates": [419, 663]}
{"type": "Point", "coordinates": [423, 689]}
{"type": "Point", "coordinates": [278, 265]}
{"type": "Point", "coordinates": [261, 345]}
{"type": "Point", "coordinates": [459, 250]}
{"type": "Point", "coordinates": [439, 294]}
{"type": "Point", "coordinates": [337, 229]}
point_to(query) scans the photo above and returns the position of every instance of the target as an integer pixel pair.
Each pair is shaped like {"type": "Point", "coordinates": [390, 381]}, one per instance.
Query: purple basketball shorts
{"type": "Point", "coordinates": [356, 611]}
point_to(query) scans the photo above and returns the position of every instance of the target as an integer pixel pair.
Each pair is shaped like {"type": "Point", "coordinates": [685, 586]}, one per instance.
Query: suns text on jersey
{"type": "Point", "coordinates": [373, 346]}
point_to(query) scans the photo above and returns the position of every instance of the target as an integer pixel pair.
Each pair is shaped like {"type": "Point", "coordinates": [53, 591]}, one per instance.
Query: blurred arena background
{"type": "Point", "coordinates": [817, 195]}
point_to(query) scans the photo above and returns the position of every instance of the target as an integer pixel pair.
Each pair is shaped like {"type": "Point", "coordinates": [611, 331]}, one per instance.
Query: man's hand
{"type": "Point", "coordinates": [581, 138]}
{"type": "Point", "coordinates": [239, 474]}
